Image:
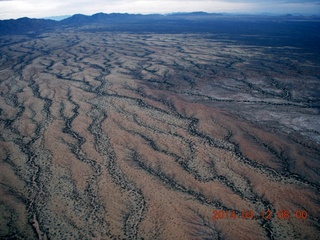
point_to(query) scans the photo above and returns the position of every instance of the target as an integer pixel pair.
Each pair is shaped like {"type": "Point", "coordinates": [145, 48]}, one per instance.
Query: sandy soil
{"type": "Point", "coordinates": [132, 136]}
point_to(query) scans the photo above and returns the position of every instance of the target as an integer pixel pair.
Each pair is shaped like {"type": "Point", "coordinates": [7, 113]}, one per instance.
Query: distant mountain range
{"type": "Point", "coordinates": [169, 23]}
{"type": "Point", "coordinates": [25, 25]}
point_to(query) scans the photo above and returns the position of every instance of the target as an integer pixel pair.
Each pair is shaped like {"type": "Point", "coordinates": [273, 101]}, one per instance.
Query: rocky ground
{"type": "Point", "coordinates": [144, 136]}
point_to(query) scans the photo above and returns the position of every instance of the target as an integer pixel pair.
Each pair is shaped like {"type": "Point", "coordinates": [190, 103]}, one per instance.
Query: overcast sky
{"type": "Point", "coordinates": [47, 8]}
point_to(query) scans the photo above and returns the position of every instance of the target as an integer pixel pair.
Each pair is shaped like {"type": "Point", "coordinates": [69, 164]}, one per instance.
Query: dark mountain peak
{"type": "Point", "coordinates": [35, 21]}
{"type": "Point", "coordinates": [76, 19]}
{"type": "Point", "coordinates": [23, 19]}
{"type": "Point", "coordinates": [79, 19]}
{"type": "Point", "coordinates": [79, 15]}
{"type": "Point", "coordinates": [99, 15]}
{"type": "Point", "coordinates": [25, 26]}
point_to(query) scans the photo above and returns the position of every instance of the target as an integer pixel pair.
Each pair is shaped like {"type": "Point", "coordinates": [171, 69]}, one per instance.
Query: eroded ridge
{"type": "Point", "coordinates": [141, 136]}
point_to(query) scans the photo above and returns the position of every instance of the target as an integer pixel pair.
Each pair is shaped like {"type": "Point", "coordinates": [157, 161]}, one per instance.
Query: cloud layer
{"type": "Point", "coordinates": [46, 8]}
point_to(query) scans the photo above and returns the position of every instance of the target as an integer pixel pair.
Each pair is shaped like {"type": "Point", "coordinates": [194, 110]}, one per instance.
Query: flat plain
{"type": "Point", "coordinates": [117, 135]}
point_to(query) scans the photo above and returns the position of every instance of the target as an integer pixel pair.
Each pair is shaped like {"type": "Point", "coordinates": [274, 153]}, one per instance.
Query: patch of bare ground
{"type": "Point", "coordinates": [128, 136]}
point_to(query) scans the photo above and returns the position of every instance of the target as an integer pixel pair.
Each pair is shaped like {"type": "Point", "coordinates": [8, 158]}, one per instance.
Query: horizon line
{"type": "Point", "coordinates": [62, 17]}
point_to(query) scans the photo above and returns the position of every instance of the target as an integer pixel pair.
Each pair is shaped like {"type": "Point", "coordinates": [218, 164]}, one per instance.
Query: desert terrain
{"type": "Point", "coordinates": [117, 135]}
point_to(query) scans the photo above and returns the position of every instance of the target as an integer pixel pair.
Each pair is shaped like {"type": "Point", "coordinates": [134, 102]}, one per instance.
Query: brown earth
{"type": "Point", "coordinates": [141, 136]}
